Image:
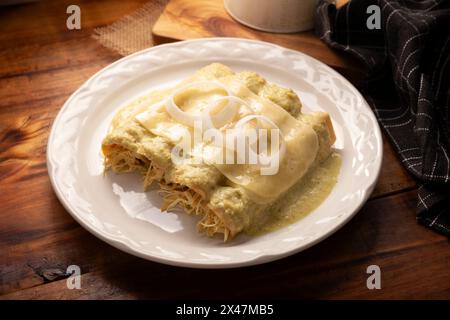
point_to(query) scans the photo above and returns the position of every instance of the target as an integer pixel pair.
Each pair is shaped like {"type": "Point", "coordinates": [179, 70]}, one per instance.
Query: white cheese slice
{"type": "Point", "coordinates": [301, 141]}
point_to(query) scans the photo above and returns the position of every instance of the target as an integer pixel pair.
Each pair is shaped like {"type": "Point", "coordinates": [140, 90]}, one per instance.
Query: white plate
{"type": "Point", "coordinates": [114, 207]}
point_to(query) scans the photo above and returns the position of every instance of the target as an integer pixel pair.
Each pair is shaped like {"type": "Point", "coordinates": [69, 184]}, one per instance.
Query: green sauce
{"type": "Point", "coordinates": [302, 198]}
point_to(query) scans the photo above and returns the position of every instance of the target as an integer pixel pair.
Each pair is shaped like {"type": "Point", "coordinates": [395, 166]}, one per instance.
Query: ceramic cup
{"type": "Point", "coordinates": [284, 16]}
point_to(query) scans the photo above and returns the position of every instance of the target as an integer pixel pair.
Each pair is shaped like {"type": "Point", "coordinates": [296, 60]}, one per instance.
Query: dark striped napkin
{"type": "Point", "coordinates": [407, 85]}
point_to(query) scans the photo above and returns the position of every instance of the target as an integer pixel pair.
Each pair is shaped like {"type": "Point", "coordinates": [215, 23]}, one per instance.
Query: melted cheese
{"type": "Point", "coordinates": [300, 139]}
{"type": "Point", "coordinates": [301, 149]}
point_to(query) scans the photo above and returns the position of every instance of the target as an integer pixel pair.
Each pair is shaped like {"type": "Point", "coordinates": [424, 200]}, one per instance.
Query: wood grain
{"type": "Point", "coordinates": [383, 233]}
{"type": "Point", "coordinates": [191, 19]}
{"type": "Point", "coordinates": [35, 38]}
{"type": "Point", "coordinates": [42, 63]}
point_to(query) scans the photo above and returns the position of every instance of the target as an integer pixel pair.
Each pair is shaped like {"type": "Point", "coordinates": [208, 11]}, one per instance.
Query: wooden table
{"type": "Point", "coordinates": [42, 63]}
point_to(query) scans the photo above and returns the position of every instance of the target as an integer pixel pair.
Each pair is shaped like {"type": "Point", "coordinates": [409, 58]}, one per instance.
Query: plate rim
{"type": "Point", "coordinates": [263, 258]}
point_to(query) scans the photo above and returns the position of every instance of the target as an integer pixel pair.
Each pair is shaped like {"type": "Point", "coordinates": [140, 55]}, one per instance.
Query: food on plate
{"type": "Point", "coordinates": [229, 147]}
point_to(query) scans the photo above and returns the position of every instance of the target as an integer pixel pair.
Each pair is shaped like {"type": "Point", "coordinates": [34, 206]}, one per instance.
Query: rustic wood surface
{"type": "Point", "coordinates": [42, 63]}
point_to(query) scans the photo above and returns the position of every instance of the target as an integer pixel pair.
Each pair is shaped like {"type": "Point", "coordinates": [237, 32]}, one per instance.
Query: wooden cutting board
{"type": "Point", "coordinates": [191, 19]}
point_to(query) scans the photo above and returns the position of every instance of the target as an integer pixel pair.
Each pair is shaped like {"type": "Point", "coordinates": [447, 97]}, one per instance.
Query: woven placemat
{"type": "Point", "coordinates": [133, 32]}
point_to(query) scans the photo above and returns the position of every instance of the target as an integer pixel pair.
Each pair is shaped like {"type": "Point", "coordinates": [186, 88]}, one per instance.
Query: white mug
{"type": "Point", "coordinates": [282, 16]}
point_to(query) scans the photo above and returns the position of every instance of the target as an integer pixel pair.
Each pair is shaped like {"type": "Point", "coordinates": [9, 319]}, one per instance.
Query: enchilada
{"type": "Point", "coordinates": [229, 198]}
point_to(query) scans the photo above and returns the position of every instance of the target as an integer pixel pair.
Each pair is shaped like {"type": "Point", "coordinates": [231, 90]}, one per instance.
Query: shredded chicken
{"type": "Point", "coordinates": [122, 160]}
{"type": "Point", "coordinates": [153, 174]}
{"type": "Point", "coordinates": [193, 203]}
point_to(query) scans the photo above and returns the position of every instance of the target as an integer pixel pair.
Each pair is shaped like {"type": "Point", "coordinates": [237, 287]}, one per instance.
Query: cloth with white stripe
{"type": "Point", "coordinates": [407, 85]}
